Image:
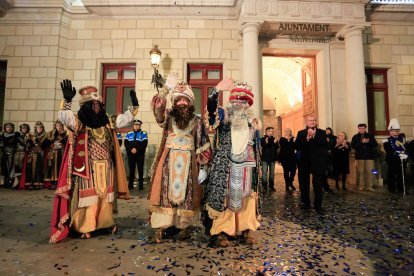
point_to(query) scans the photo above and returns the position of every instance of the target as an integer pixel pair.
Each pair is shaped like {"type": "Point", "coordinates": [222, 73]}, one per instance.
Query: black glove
{"type": "Point", "coordinates": [68, 91]}
{"type": "Point", "coordinates": [212, 102]}
{"type": "Point", "coordinates": [134, 98]}
{"type": "Point", "coordinates": [157, 80]}
{"type": "Point", "coordinates": [214, 94]}
{"type": "Point", "coordinates": [55, 134]}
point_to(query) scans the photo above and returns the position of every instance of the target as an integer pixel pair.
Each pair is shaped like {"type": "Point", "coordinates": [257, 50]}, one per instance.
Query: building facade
{"type": "Point", "coordinates": [356, 57]}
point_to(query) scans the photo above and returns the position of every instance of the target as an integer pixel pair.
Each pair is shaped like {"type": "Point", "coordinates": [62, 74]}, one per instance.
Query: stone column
{"type": "Point", "coordinates": [251, 65]}
{"type": "Point", "coordinates": [357, 109]}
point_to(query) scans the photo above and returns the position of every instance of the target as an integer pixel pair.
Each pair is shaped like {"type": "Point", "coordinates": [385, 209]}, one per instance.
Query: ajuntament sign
{"type": "Point", "coordinates": [304, 27]}
{"type": "Point", "coordinates": [306, 32]}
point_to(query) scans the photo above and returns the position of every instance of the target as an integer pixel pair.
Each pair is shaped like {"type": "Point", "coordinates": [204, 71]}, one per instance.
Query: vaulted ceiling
{"type": "Point", "coordinates": [282, 83]}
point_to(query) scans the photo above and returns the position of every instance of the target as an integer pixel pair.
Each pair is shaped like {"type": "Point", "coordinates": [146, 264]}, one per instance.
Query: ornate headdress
{"type": "Point", "coordinates": [8, 124]}
{"type": "Point", "coordinates": [242, 92]}
{"type": "Point", "coordinates": [182, 89]}
{"type": "Point", "coordinates": [58, 122]}
{"type": "Point", "coordinates": [24, 126]}
{"type": "Point", "coordinates": [89, 93]}
{"type": "Point", "coordinates": [39, 123]}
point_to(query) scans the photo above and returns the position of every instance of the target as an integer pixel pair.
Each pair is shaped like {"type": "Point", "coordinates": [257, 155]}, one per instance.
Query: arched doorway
{"type": "Point", "coordinates": [289, 91]}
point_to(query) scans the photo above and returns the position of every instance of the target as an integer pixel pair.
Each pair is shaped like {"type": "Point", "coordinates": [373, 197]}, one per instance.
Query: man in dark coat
{"type": "Point", "coordinates": [136, 142]}
{"type": "Point", "coordinates": [270, 146]}
{"type": "Point", "coordinates": [313, 146]}
{"type": "Point", "coordinates": [365, 146]}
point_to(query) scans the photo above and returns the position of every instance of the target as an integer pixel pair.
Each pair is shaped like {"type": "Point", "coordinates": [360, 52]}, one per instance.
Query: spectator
{"type": "Point", "coordinates": [365, 145]}
{"type": "Point", "coordinates": [287, 158]}
{"type": "Point", "coordinates": [8, 146]}
{"type": "Point", "coordinates": [313, 146]}
{"type": "Point", "coordinates": [340, 158]}
{"type": "Point", "coordinates": [269, 157]}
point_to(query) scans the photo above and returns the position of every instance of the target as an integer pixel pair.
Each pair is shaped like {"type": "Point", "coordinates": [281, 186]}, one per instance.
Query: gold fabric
{"type": "Point", "coordinates": [233, 223]}
{"type": "Point", "coordinates": [160, 220]}
{"type": "Point", "coordinates": [93, 217]}
{"type": "Point", "coordinates": [100, 176]}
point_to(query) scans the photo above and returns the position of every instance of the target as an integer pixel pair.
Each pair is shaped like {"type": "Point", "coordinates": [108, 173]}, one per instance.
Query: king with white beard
{"type": "Point", "coordinates": [232, 193]}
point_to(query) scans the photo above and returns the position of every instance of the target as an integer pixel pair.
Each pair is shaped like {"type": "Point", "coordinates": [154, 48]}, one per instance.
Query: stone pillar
{"type": "Point", "coordinates": [251, 65]}
{"type": "Point", "coordinates": [357, 108]}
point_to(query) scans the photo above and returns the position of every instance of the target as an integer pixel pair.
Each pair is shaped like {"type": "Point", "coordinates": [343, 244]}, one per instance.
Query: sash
{"type": "Point", "coordinates": [80, 157]}
{"type": "Point", "coordinates": [240, 176]}
{"type": "Point", "coordinates": [180, 160]}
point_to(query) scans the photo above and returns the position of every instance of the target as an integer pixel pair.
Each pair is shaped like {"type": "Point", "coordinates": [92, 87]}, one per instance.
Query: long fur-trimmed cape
{"type": "Point", "coordinates": [217, 186]}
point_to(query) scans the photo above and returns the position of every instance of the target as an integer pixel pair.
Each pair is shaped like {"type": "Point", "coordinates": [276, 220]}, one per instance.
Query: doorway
{"type": "Point", "coordinates": [289, 91]}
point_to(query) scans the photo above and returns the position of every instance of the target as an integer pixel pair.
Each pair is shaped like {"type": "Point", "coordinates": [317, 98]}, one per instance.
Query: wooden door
{"type": "Point", "coordinates": [309, 88]}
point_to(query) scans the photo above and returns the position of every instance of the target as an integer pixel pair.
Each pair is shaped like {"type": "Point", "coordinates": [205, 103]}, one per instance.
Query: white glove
{"type": "Point", "coordinates": [403, 156]}
{"type": "Point", "coordinates": [202, 176]}
{"type": "Point", "coordinates": [171, 81]}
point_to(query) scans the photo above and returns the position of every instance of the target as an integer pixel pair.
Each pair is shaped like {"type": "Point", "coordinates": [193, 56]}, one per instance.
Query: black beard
{"type": "Point", "coordinates": [182, 115]}
{"type": "Point", "coordinates": [90, 118]}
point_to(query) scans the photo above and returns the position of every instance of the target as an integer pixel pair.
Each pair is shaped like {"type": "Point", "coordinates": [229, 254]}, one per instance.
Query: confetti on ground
{"type": "Point", "coordinates": [359, 234]}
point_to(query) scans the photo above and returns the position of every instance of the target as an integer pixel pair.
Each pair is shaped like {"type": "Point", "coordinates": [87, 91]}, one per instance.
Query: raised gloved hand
{"type": "Point", "coordinates": [214, 94]}
{"type": "Point", "coordinates": [202, 176]}
{"type": "Point", "coordinates": [68, 91]}
{"type": "Point", "coordinates": [134, 98]}
{"type": "Point", "coordinates": [403, 156]}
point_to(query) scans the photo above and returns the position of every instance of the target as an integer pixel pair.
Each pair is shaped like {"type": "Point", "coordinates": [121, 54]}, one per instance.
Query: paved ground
{"type": "Point", "coordinates": [361, 234]}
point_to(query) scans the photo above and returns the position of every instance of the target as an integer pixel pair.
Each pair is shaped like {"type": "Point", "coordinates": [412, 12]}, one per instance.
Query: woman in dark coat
{"type": "Point", "coordinates": [287, 158]}
{"type": "Point", "coordinates": [340, 158]}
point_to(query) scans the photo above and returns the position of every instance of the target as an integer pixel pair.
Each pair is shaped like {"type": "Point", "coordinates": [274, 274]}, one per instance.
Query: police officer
{"type": "Point", "coordinates": [136, 143]}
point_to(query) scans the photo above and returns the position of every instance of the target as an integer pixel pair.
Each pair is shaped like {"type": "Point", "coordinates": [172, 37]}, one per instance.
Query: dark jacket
{"type": "Point", "coordinates": [340, 159]}
{"type": "Point", "coordinates": [314, 155]}
{"type": "Point", "coordinates": [331, 141]}
{"type": "Point", "coordinates": [269, 150]}
{"type": "Point", "coordinates": [393, 147]}
{"type": "Point", "coordinates": [137, 140]}
{"type": "Point", "coordinates": [363, 151]}
{"type": "Point", "coordinates": [287, 154]}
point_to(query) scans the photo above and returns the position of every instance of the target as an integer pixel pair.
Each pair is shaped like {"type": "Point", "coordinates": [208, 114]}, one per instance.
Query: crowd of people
{"type": "Point", "coordinates": [324, 155]}
{"type": "Point", "coordinates": [220, 180]}
{"type": "Point", "coordinates": [31, 160]}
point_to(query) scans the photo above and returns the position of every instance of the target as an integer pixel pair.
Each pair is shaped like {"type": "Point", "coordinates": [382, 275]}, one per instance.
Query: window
{"type": "Point", "coordinates": [203, 78]}
{"type": "Point", "coordinates": [118, 80]}
{"type": "Point", "coordinates": [377, 98]}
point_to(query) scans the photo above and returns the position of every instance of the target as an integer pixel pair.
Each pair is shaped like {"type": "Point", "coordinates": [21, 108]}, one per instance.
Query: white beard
{"type": "Point", "coordinates": [239, 119]}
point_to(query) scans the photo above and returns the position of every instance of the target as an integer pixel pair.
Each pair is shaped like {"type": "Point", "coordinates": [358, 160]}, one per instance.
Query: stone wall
{"type": "Point", "coordinates": [392, 46]}
{"type": "Point", "coordinates": [50, 45]}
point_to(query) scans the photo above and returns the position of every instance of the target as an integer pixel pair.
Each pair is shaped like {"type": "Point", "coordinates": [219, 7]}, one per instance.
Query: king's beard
{"type": "Point", "coordinates": [90, 118]}
{"type": "Point", "coordinates": [238, 116]}
{"type": "Point", "coordinates": [182, 115]}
